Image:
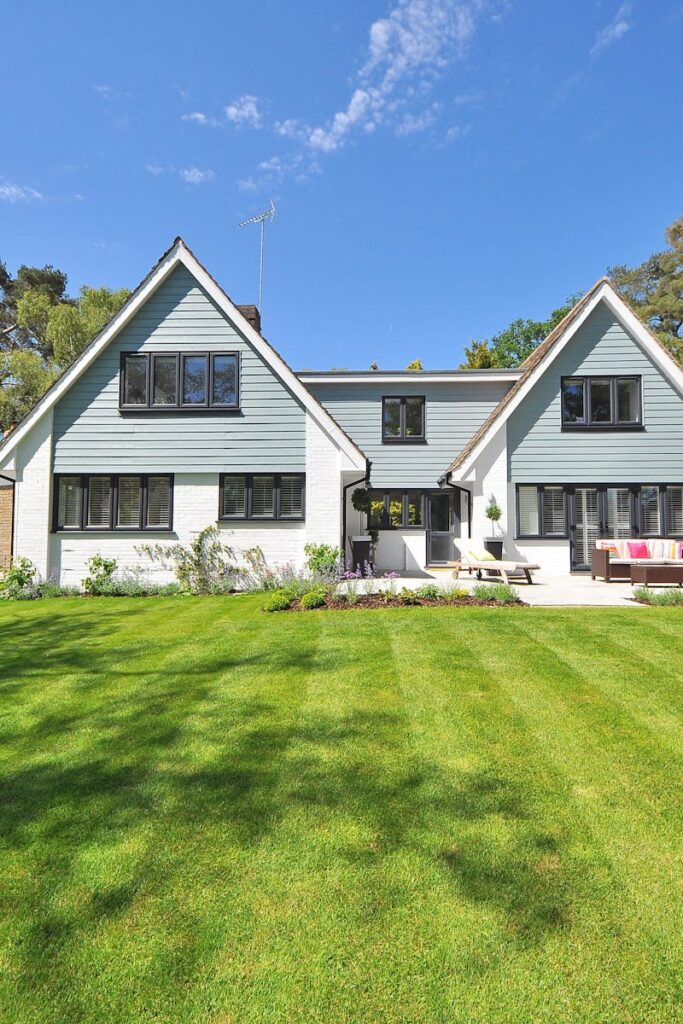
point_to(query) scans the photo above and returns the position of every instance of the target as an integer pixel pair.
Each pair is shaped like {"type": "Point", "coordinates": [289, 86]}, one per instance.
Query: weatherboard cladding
{"type": "Point", "coordinates": [540, 452]}
{"type": "Point", "coordinates": [90, 435]}
{"type": "Point", "coordinates": [453, 412]}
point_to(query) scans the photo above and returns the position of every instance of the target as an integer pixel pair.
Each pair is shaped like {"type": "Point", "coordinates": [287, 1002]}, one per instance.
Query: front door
{"type": "Point", "coordinates": [442, 523]}
{"type": "Point", "coordinates": [594, 513]}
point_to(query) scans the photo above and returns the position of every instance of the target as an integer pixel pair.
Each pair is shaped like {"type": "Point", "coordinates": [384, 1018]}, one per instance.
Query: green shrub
{"type": "Point", "coordinates": [314, 598]}
{"type": "Point", "coordinates": [452, 594]}
{"type": "Point", "coordinates": [339, 596]}
{"type": "Point", "coordinates": [658, 598]}
{"type": "Point", "coordinates": [408, 596]}
{"type": "Point", "coordinates": [497, 593]}
{"type": "Point", "coordinates": [101, 575]}
{"type": "Point", "coordinates": [324, 561]}
{"type": "Point", "coordinates": [51, 589]}
{"type": "Point", "coordinates": [278, 601]}
{"type": "Point", "coordinates": [429, 592]}
{"type": "Point", "coordinates": [18, 581]}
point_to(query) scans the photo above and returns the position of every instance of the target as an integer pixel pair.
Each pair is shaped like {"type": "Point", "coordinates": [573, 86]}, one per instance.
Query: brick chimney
{"type": "Point", "coordinates": [251, 314]}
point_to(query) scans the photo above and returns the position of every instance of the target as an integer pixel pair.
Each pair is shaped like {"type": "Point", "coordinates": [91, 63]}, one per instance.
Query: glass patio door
{"type": "Point", "coordinates": [441, 528]}
{"type": "Point", "coordinates": [618, 513]}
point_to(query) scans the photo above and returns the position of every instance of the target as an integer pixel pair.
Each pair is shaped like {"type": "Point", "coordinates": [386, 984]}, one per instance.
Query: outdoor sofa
{"type": "Point", "coordinates": [479, 560]}
{"type": "Point", "coordinates": [614, 560]}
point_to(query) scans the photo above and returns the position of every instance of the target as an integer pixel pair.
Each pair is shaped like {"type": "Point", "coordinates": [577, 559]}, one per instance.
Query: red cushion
{"type": "Point", "coordinates": [638, 549]}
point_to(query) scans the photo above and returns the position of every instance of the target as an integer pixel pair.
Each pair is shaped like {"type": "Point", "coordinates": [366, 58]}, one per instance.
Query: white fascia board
{"type": "Point", "coordinates": [423, 378]}
{"type": "Point", "coordinates": [606, 293]}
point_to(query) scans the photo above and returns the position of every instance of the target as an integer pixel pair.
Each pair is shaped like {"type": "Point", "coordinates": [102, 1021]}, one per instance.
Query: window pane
{"type": "Point", "coordinates": [414, 414]}
{"type": "Point", "coordinates": [396, 508]}
{"type": "Point", "coordinates": [572, 402]}
{"type": "Point", "coordinates": [553, 512]}
{"type": "Point", "coordinates": [649, 510]}
{"type": "Point", "coordinates": [262, 503]}
{"type": "Point", "coordinates": [158, 501]}
{"type": "Point", "coordinates": [165, 384]}
{"type": "Point", "coordinates": [601, 404]}
{"type": "Point", "coordinates": [224, 389]}
{"type": "Point", "coordinates": [291, 492]}
{"type": "Point", "coordinates": [674, 510]}
{"type": "Point", "coordinates": [128, 513]}
{"type": "Point", "coordinates": [376, 509]}
{"type": "Point", "coordinates": [194, 380]}
{"type": "Point", "coordinates": [391, 417]}
{"type": "Point", "coordinates": [70, 498]}
{"type": "Point", "coordinates": [528, 511]}
{"type": "Point", "coordinates": [135, 380]}
{"type": "Point", "coordinates": [414, 508]}
{"type": "Point", "coordinates": [99, 491]}
{"type": "Point", "coordinates": [619, 512]}
{"type": "Point", "coordinates": [233, 496]}
{"type": "Point", "coordinates": [628, 392]}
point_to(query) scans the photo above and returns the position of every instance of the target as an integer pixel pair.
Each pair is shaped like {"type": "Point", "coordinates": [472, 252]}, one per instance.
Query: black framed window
{"type": "Point", "coordinates": [403, 419]}
{"type": "Point", "coordinates": [391, 510]}
{"type": "Point", "coordinates": [541, 511]}
{"type": "Point", "coordinates": [256, 496]}
{"type": "Point", "coordinates": [113, 502]}
{"type": "Point", "coordinates": [168, 381]}
{"type": "Point", "coordinates": [601, 403]}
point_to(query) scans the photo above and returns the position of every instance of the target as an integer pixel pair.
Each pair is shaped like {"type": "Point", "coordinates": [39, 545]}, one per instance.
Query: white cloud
{"type": "Point", "coordinates": [105, 91]}
{"type": "Point", "coordinates": [412, 123]}
{"type": "Point", "coordinates": [612, 33]}
{"type": "Point", "coordinates": [244, 111]}
{"type": "Point", "coordinates": [10, 193]}
{"type": "Point", "coordinates": [195, 176]}
{"type": "Point", "coordinates": [156, 169]}
{"type": "Point", "coordinates": [291, 129]}
{"type": "Point", "coordinates": [196, 116]}
{"type": "Point", "coordinates": [407, 49]}
{"type": "Point", "coordinates": [248, 184]}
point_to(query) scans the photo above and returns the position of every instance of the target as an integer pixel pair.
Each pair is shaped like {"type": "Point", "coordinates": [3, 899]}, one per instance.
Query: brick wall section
{"type": "Point", "coordinates": [6, 503]}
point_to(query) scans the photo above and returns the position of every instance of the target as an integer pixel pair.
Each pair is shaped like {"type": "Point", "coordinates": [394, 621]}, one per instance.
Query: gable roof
{"type": "Point", "coordinates": [179, 254]}
{"type": "Point", "coordinates": [535, 365]}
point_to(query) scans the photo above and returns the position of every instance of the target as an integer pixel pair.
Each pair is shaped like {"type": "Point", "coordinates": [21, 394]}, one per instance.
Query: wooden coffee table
{"type": "Point", "coordinates": [647, 574]}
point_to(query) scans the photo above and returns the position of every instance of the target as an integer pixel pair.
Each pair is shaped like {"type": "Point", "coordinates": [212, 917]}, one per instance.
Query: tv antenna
{"type": "Point", "coordinates": [261, 219]}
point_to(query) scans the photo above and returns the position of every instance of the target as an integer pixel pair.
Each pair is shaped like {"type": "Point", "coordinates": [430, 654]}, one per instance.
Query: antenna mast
{"type": "Point", "coordinates": [260, 219]}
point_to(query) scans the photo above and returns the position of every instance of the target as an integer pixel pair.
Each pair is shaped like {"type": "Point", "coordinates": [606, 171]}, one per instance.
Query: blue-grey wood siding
{"type": "Point", "coordinates": [540, 452]}
{"type": "Point", "coordinates": [453, 412]}
{"type": "Point", "coordinates": [92, 436]}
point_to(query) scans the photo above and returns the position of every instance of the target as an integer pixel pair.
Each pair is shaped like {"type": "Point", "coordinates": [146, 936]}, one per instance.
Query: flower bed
{"type": "Point", "coordinates": [328, 598]}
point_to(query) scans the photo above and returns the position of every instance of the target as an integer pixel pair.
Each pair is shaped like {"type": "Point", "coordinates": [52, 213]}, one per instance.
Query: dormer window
{"type": "Point", "coordinates": [403, 419]}
{"type": "Point", "coordinates": [601, 403]}
{"type": "Point", "coordinates": [172, 381]}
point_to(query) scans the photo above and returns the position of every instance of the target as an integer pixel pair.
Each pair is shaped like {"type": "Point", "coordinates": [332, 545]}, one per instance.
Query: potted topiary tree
{"type": "Point", "coordinates": [494, 514]}
{"type": "Point", "coordinates": [363, 545]}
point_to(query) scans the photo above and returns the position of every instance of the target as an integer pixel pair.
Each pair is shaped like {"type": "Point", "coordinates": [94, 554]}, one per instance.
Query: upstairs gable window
{"type": "Point", "coordinates": [403, 419]}
{"type": "Point", "coordinates": [601, 403]}
{"type": "Point", "coordinates": [169, 381]}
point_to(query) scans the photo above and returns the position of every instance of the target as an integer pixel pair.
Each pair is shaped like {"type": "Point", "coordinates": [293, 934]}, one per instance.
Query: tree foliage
{"type": "Point", "coordinates": [42, 330]}
{"type": "Point", "coordinates": [655, 289]}
{"type": "Point", "coordinates": [415, 364]}
{"type": "Point", "coordinates": [510, 347]}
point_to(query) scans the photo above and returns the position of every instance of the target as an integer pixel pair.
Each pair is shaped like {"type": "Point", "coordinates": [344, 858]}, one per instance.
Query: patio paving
{"type": "Point", "coordinates": [546, 590]}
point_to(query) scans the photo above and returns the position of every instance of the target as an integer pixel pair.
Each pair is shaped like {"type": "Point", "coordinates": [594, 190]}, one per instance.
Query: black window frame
{"type": "Point", "coordinates": [401, 437]}
{"type": "Point", "coordinates": [248, 515]}
{"type": "Point", "coordinates": [614, 423]}
{"type": "Point", "coordinates": [179, 406]}
{"type": "Point", "coordinates": [404, 524]}
{"type": "Point", "coordinates": [542, 535]}
{"type": "Point", "coordinates": [113, 504]}
{"type": "Point", "coordinates": [634, 491]}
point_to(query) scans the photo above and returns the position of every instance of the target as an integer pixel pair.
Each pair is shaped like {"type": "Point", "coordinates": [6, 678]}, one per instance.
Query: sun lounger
{"type": "Point", "coordinates": [506, 569]}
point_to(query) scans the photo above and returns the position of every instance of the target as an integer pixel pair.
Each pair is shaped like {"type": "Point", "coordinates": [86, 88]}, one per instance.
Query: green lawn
{"type": "Point", "coordinates": [210, 814]}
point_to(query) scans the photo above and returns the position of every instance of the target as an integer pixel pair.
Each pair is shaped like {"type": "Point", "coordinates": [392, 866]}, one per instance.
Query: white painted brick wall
{"type": "Point", "coordinates": [489, 479]}
{"type": "Point", "coordinates": [323, 486]}
{"type": "Point", "coordinates": [32, 502]}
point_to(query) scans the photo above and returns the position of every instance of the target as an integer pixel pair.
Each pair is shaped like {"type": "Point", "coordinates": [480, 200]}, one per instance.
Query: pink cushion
{"type": "Point", "coordinates": [638, 549]}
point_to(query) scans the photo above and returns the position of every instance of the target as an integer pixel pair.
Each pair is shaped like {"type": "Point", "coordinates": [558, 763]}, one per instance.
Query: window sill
{"type": "Point", "coordinates": [404, 440]}
{"type": "Point", "coordinates": [541, 536]}
{"type": "Point", "coordinates": [571, 428]}
{"type": "Point", "coordinates": [112, 530]}
{"type": "Point", "coordinates": [261, 519]}
{"type": "Point", "coordinates": [169, 410]}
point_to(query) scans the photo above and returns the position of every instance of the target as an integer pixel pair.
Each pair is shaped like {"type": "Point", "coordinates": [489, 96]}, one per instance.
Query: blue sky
{"type": "Point", "coordinates": [440, 166]}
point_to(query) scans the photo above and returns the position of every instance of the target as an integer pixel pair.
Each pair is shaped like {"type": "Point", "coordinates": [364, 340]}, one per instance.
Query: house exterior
{"type": "Point", "coordinates": [180, 415]}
